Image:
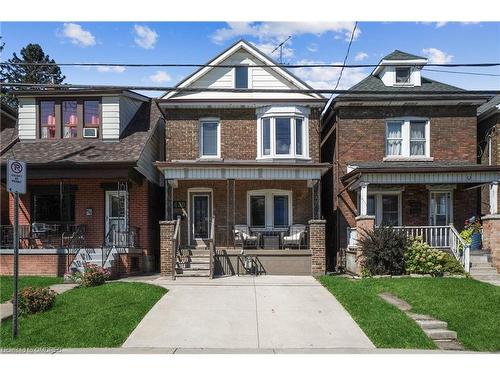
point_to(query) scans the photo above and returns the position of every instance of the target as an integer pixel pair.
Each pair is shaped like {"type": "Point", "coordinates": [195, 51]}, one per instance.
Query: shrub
{"type": "Point", "coordinates": [35, 299]}
{"type": "Point", "coordinates": [383, 251]}
{"type": "Point", "coordinates": [94, 275]}
{"type": "Point", "coordinates": [420, 258]}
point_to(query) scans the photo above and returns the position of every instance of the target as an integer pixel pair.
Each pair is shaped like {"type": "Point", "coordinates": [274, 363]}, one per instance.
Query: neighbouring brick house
{"type": "Point", "coordinates": [404, 153]}
{"type": "Point", "coordinates": [8, 137]}
{"type": "Point", "coordinates": [243, 167]}
{"type": "Point", "coordinates": [93, 193]}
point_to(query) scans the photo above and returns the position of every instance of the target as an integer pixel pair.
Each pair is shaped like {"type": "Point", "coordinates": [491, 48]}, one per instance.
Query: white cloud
{"type": "Point", "coordinates": [145, 37]}
{"type": "Point", "coordinates": [437, 56]}
{"type": "Point", "coordinates": [313, 47]}
{"type": "Point", "coordinates": [360, 56]}
{"type": "Point", "coordinates": [77, 35]}
{"type": "Point", "coordinates": [160, 76]}
{"type": "Point", "coordinates": [110, 69]}
{"type": "Point", "coordinates": [281, 30]}
{"type": "Point", "coordinates": [326, 78]}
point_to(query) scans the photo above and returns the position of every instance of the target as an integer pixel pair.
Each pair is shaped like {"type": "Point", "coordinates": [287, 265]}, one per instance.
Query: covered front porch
{"type": "Point", "coordinates": [431, 202]}
{"type": "Point", "coordinates": [261, 210]}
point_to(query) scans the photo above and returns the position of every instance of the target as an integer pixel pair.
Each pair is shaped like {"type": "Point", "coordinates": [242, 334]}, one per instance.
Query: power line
{"type": "Point", "coordinates": [200, 89]}
{"type": "Point", "coordinates": [347, 54]}
{"type": "Point", "coordinates": [129, 65]}
{"type": "Point", "coordinates": [466, 73]}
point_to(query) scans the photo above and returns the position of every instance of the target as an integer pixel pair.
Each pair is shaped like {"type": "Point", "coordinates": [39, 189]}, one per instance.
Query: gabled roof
{"type": "Point", "coordinates": [255, 52]}
{"type": "Point", "coordinates": [400, 55]}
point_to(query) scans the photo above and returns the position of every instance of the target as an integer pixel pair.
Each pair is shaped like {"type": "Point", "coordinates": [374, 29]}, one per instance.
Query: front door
{"type": "Point", "coordinates": [116, 214]}
{"type": "Point", "coordinates": [440, 208]}
{"type": "Point", "coordinates": [200, 215]}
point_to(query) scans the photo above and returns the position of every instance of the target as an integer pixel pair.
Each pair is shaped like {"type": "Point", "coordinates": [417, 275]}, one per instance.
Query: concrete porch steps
{"type": "Point", "coordinates": [193, 262]}
{"type": "Point", "coordinates": [481, 267]}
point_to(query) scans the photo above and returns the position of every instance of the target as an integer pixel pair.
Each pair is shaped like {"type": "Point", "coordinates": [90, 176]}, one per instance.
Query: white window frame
{"type": "Point", "coordinates": [405, 145]}
{"type": "Point", "coordinates": [269, 202]}
{"type": "Point", "coordinates": [433, 190]}
{"type": "Point", "coordinates": [200, 137]}
{"type": "Point", "coordinates": [292, 154]}
{"type": "Point", "coordinates": [249, 77]}
{"type": "Point", "coordinates": [378, 204]}
{"type": "Point", "coordinates": [409, 82]}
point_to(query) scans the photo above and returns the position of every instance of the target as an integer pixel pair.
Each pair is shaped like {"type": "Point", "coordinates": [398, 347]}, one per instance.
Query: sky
{"type": "Point", "coordinates": [311, 42]}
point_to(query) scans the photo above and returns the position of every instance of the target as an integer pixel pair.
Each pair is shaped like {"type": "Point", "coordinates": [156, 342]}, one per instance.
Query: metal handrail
{"type": "Point", "coordinates": [175, 245]}
{"type": "Point", "coordinates": [212, 246]}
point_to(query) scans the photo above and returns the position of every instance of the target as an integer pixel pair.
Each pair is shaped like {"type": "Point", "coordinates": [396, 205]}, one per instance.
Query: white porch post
{"type": "Point", "coordinates": [363, 210]}
{"type": "Point", "coordinates": [494, 198]}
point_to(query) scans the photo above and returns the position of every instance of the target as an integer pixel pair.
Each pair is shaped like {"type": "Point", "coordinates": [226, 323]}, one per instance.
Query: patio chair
{"type": "Point", "coordinates": [243, 237]}
{"type": "Point", "coordinates": [295, 236]}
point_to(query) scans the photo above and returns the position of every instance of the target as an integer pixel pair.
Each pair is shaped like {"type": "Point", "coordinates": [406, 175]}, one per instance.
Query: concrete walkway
{"type": "Point", "coordinates": [265, 312]}
{"type": "Point", "coordinates": [6, 309]}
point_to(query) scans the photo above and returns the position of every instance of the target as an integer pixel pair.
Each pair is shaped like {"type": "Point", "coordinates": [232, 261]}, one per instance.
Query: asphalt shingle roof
{"type": "Point", "coordinates": [400, 55]}
{"type": "Point", "coordinates": [127, 149]}
{"type": "Point", "coordinates": [493, 102]}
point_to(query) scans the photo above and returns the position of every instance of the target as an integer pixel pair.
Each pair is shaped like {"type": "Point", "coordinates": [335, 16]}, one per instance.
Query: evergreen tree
{"type": "Point", "coordinates": [32, 53]}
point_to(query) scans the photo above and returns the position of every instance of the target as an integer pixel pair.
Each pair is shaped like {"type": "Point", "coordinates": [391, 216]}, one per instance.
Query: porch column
{"type": "Point", "coordinates": [364, 225]}
{"type": "Point", "coordinates": [494, 198]}
{"type": "Point", "coordinates": [169, 196]}
{"type": "Point", "coordinates": [230, 210]}
{"type": "Point", "coordinates": [491, 227]}
{"type": "Point", "coordinates": [363, 210]}
{"type": "Point", "coordinates": [317, 246]}
{"type": "Point", "coordinates": [166, 247]}
{"type": "Point", "coordinates": [316, 198]}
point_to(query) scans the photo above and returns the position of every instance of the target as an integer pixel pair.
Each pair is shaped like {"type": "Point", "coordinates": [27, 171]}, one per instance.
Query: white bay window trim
{"type": "Point", "coordinates": [269, 195]}
{"type": "Point", "coordinates": [203, 121]}
{"type": "Point", "coordinates": [271, 114]}
{"type": "Point", "coordinates": [405, 137]}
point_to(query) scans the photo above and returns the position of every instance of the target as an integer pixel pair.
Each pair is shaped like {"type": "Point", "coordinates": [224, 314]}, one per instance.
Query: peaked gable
{"type": "Point", "coordinates": [242, 53]}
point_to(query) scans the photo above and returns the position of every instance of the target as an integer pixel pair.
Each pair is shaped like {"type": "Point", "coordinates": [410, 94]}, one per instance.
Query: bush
{"type": "Point", "coordinates": [383, 251]}
{"type": "Point", "coordinates": [420, 258]}
{"type": "Point", "coordinates": [94, 275]}
{"type": "Point", "coordinates": [36, 299]}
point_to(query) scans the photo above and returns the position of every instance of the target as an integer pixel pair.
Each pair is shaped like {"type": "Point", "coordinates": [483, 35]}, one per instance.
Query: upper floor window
{"type": "Point", "coordinates": [282, 136]}
{"type": "Point", "coordinates": [91, 113]}
{"type": "Point", "coordinates": [269, 208]}
{"type": "Point", "coordinates": [407, 138]}
{"type": "Point", "coordinates": [70, 118]}
{"type": "Point", "coordinates": [47, 119]}
{"type": "Point", "coordinates": [241, 77]}
{"type": "Point", "coordinates": [403, 75]}
{"type": "Point", "coordinates": [209, 138]}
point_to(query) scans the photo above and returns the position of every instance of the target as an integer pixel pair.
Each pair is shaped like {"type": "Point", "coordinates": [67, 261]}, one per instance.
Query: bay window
{"type": "Point", "coordinates": [269, 209]}
{"type": "Point", "coordinates": [209, 138]}
{"type": "Point", "coordinates": [282, 137]}
{"type": "Point", "coordinates": [407, 138]}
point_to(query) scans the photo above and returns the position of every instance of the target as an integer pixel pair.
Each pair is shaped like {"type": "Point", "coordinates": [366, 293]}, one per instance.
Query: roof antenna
{"type": "Point", "coordinates": [280, 46]}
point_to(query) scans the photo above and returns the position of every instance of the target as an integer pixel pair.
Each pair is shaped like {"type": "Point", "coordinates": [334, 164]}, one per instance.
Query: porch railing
{"type": "Point", "coordinates": [40, 235]}
{"type": "Point", "coordinates": [175, 246]}
{"type": "Point", "coordinates": [212, 246]}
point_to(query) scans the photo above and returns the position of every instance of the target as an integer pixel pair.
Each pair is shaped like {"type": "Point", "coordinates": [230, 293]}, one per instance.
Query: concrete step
{"type": "Point", "coordinates": [191, 266]}
{"type": "Point", "coordinates": [479, 258]}
{"type": "Point", "coordinates": [187, 273]}
{"type": "Point", "coordinates": [420, 317]}
{"type": "Point", "coordinates": [448, 345]}
{"type": "Point", "coordinates": [490, 272]}
{"type": "Point", "coordinates": [195, 252]}
{"type": "Point", "coordinates": [487, 277]}
{"type": "Point", "coordinates": [482, 267]}
{"type": "Point", "coordinates": [432, 324]}
{"type": "Point", "coordinates": [441, 334]}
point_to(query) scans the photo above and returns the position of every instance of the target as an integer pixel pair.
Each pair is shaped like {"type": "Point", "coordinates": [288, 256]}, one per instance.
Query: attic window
{"type": "Point", "coordinates": [241, 77]}
{"type": "Point", "coordinates": [403, 75]}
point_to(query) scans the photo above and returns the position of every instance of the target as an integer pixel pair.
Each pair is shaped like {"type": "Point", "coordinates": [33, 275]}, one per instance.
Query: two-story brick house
{"type": "Point", "coordinates": [404, 153]}
{"type": "Point", "coordinates": [93, 193]}
{"type": "Point", "coordinates": [248, 160]}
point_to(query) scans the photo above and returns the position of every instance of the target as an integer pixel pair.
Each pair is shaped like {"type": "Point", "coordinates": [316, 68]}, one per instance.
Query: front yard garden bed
{"type": "Point", "coordinates": [102, 316]}
{"type": "Point", "coordinates": [470, 308]}
{"type": "Point", "coordinates": [7, 284]}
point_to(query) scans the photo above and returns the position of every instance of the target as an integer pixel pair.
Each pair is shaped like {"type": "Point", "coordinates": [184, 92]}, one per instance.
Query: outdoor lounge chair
{"type": "Point", "coordinates": [243, 237]}
{"type": "Point", "coordinates": [295, 236]}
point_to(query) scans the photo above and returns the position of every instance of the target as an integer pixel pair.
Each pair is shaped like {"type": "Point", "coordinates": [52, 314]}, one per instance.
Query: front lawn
{"type": "Point", "coordinates": [102, 316]}
{"type": "Point", "coordinates": [470, 307]}
{"type": "Point", "coordinates": [7, 284]}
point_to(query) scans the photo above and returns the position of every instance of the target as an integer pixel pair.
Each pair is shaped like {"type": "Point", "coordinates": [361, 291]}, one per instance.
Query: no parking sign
{"type": "Point", "coordinates": [16, 176]}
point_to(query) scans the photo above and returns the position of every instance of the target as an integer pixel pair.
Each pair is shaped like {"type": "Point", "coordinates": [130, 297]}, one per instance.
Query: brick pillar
{"type": "Point", "coordinates": [166, 246]}
{"type": "Point", "coordinates": [364, 224]}
{"type": "Point", "coordinates": [317, 244]}
{"type": "Point", "coordinates": [491, 237]}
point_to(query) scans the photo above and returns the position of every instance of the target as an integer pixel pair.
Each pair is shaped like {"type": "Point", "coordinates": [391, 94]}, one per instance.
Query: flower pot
{"type": "Point", "coordinates": [475, 241]}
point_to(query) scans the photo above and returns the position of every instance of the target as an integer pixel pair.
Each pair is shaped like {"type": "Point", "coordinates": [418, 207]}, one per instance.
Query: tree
{"type": "Point", "coordinates": [32, 53]}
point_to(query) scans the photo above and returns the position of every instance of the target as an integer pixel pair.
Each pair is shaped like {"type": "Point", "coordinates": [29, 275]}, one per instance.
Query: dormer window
{"type": "Point", "coordinates": [70, 118]}
{"type": "Point", "coordinates": [47, 119]}
{"type": "Point", "coordinates": [403, 75]}
{"type": "Point", "coordinates": [241, 77]}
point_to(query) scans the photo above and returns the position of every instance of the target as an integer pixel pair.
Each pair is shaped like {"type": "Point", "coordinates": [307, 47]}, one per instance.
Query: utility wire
{"type": "Point", "coordinates": [459, 72]}
{"type": "Point", "coordinates": [490, 64]}
{"type": "Point", "coordinates": [346, 54]}
{"type": "Point", "coordinates": [201, 89]}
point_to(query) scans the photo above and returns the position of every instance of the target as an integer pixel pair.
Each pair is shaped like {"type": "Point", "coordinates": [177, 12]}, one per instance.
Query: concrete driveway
{"type": "Point", "coordinates": [274, 312]}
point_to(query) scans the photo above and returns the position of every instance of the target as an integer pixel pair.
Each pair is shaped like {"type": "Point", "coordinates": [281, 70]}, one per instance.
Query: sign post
{"type": "Point", "coordinates": [16, 184]}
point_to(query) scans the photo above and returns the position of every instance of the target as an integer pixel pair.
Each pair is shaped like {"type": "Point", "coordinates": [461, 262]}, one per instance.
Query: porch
{"type": "Point", "coordinates": [260, 210]}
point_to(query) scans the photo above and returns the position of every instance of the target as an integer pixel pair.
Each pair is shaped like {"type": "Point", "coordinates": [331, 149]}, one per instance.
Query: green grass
{"type": "Point", "coordinates": [7, 284]}
{"type": "Point", "coordinates": [102, 316]}
{"type": "Point", "coordinates": [470, 307]}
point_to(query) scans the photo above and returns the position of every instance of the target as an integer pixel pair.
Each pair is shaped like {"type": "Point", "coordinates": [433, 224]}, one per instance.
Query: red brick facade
{"type": "Point", "coordinates": [488, 135]}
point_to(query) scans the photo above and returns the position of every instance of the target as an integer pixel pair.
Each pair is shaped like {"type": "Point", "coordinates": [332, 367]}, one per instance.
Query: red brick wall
{"type": "Point", "coordinates": [491, 125]}
{"type": "Point", "coordinates": [43, 265]}
{"type": "Point", "coordinates": [238, 133]}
